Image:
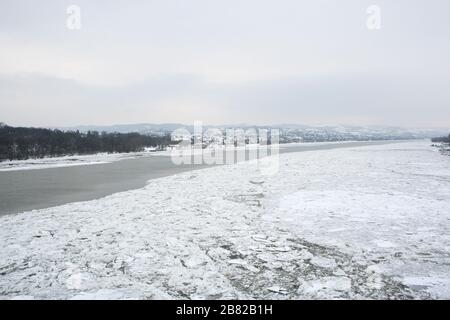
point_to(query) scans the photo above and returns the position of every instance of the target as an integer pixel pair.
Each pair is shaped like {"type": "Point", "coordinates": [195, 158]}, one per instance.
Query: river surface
{"type": "Point", "coordinates": [25, 190]}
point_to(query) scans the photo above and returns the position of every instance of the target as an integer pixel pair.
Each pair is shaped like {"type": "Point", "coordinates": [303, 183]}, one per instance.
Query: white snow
{"type": "Point", "coordinates": [68, 161]}
{"type": "Point", "coordinates": [369, 222]}
{"type": "Point", "coordinates": [101, 158]}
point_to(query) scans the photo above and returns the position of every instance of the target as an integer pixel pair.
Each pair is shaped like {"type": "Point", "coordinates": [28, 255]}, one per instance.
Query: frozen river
{"type": "Point", "coordinates": [366, 222]}
{"type": "Point", "coordinates": [25, 190]}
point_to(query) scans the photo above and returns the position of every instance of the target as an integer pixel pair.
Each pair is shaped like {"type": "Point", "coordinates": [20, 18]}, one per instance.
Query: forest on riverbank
{"type": "Point", "coordinates": [20, 143]}
{"type": "Point", "coordinates": [441, 139]}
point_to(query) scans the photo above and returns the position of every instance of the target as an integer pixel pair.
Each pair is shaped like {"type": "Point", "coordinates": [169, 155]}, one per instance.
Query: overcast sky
{"type": "Point", "coordinates": [233, 61]}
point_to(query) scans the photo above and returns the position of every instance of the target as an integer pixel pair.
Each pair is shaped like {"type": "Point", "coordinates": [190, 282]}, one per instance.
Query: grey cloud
{"type": "Point", "coordinates": [374, 100]}
{"type": "Point", "coordinates": [225, 61]}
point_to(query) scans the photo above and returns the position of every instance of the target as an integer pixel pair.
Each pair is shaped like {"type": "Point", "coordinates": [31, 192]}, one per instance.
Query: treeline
{"type": "Point", "coordinates": [441, 139]}
{"type": "Point", "coordinates": [18, 143]}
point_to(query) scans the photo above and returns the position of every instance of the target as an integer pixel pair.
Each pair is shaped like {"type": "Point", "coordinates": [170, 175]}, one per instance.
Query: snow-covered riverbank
{"type": "Point", "coordinates": [366, 222]}
{"type": "Point", "coordinates": [67, 161]}
{"type": "Point", "coordinates": [100, 158]}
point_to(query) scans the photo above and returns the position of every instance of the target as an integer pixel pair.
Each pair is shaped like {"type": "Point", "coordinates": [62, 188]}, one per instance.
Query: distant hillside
{"type": "Point", "coordinates": [288, 132]}
{"type": "Point", "coordinates": [142, 128]}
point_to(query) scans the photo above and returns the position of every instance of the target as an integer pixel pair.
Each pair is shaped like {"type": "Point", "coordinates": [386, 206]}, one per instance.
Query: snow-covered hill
{"type": "Point", "coordinates": [288, 132]}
